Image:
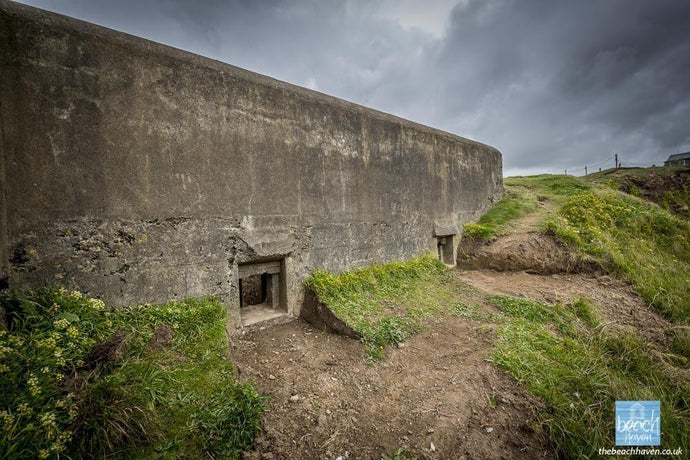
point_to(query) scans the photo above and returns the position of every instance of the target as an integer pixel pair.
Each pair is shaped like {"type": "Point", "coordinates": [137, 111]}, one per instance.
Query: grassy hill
{"type": "Point", "coordinates": [626, 234]}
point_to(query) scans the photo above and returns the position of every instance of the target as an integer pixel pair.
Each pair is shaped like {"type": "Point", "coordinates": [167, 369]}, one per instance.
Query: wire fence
{"type": "Point", "coordinates": [613, 161]}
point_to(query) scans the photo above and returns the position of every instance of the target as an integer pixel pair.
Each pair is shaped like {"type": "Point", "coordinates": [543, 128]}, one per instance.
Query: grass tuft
{"type": "Point", "coordinates": [512, 206]}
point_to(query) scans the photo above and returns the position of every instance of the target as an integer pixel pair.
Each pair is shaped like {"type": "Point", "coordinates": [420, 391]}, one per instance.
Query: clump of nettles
{"type": "Point", "coordinates": [80, 379]}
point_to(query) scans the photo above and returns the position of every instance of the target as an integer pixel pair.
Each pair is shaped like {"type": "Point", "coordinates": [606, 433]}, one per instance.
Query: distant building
{"type": "Point", "coordinates": [679, 159]}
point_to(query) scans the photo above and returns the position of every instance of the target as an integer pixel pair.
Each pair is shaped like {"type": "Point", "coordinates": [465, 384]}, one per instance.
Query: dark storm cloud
{"type": "Point", "coordinates": [552, 84]}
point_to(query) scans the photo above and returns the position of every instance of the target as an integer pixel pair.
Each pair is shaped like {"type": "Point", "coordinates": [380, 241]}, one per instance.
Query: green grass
{"type": "Point", "coordinates": [512, 206]}
{"type": "Point", "coordinates": [666, 186]}
{"type": "Point", "coordinates": [625, 234]}
{"type": "Point", "coordinates": [563, 354]}
{"type": "Point", "coordinates": [521, 198]}
{"type": "Point", "coordinates": [553, 186]}
{"type": "Point", "coordinates": [79, 379]}
{"type": "Point", "coordinates": [645, 243]}
{"type": "Point", "coordinates": [387, 303]}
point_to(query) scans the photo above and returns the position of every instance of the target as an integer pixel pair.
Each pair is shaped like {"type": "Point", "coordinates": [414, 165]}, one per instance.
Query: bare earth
{"type": "Point", "coordinates": [438, 396]}
{"type": "Point", "coordinates": [617, 301]}
{"type": "Point", "coordinates": [438, 388]}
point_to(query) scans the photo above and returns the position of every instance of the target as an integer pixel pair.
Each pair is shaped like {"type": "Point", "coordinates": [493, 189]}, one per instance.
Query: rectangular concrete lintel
{"type": "Point", "coordinates": [445, 228]}
{"type": "Point", "coordinates": [259, 268]}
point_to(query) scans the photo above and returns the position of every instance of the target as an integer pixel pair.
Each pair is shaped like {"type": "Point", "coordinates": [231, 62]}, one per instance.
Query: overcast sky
{"type": "Point", "coordinates": [553, 85]}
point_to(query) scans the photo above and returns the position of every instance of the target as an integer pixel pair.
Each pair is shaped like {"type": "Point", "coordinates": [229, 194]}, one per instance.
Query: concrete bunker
{"type": "Point", "coordinates": [136, 172]}
{"type": "Point", "coordinates": [262, 292]}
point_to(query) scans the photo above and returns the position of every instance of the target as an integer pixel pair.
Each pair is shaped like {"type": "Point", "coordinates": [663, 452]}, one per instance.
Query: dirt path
{"type": "Point", "coordinates": [439, 388]}
{"type": "Point", "coordinates": [616, 300]}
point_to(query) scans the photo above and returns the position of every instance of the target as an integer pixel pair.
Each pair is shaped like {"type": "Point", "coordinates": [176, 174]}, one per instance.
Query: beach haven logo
{"type": "Point", "coordinates": [638, 423]}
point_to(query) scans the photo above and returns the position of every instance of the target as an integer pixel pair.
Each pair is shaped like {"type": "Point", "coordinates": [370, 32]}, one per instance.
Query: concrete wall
{"type": "Point", "coordinates": [138, 172]}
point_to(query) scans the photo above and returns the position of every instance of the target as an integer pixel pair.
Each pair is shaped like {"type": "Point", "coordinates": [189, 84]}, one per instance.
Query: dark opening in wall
{"type": "Point", "coordinates": [445, 249]}
{"type": "Point", "coordinates": [253, 289]}
{"type": "Point", "coordinates": [261, 284]}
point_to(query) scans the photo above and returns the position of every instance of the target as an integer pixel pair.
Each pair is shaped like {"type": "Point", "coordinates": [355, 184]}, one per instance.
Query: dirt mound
{"type": "Point", "coordinates": [532, 252]}
{"type": "Point", "coordinates": [439, 388]}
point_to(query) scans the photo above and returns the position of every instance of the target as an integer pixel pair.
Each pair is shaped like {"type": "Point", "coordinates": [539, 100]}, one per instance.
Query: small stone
{"type": "Point", "coordinates": [489, 429]}
{"type": "Point", "coordinates": [271, 377]}
{"type": "Point", "coordinates": [400, 345]}
{"type": "Point", "coordinates": [432, 447]}
{"type": "Point", "coordinates": [429, 431]}
{"type": "Point", "coordinates": [294, 398]}
{"type": "Point", "coordinates": [328, 412]}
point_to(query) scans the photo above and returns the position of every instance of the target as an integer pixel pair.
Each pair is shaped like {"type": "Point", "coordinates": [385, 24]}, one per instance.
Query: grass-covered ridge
{"type": "Point", "coordinates": [638, 239]}
{"type": "Point", "coordinates": [387, 303]}
{"type": "Point", "coordinates": [669, 187]}
{"type": "Point", "coordinates": [78, 379]}
{"type": "Point", "coordinates": [565, 355]}
{"type": "Point", "coordinates": [627, 235]}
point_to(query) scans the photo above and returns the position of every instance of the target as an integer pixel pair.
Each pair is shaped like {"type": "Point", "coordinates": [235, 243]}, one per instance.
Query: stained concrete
{"type": "Point", "coordinates": [140, 173]}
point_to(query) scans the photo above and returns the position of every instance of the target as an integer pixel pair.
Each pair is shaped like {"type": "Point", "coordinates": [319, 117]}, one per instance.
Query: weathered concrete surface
{"type": "Point", "coordinates": [138, 172]}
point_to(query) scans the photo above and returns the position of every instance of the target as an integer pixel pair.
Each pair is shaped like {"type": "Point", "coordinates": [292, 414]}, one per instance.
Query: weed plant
{"type": "Point", "coordinates": [80, 380]}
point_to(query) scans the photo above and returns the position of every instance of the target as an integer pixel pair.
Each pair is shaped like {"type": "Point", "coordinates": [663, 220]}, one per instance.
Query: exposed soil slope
{"type": "Point", "coordinates": [438, 388]}
{"type": "Point", "coordinates": [534, 252]}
